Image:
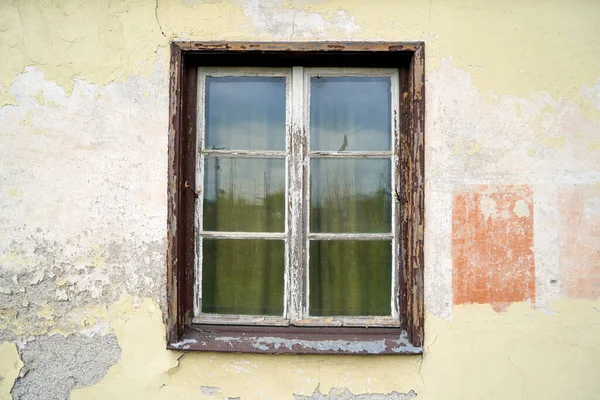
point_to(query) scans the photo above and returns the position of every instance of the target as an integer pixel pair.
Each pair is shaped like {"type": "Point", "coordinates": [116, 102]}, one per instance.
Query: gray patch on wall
{"type": "Point", "coordinates": [337, 394]}
{"type": "Point", "coordinates": [55, 365]}
{"type": "Point", "coordinates": [209, 390]}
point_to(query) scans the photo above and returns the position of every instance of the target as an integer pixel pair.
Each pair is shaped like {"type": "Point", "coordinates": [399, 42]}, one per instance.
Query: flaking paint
{"type": "Point", "coordinates": [510, 346]}
{"type": "Point", "coordinates": [493, 41]}
{"type": "Point", "coordinates": [513, 99]}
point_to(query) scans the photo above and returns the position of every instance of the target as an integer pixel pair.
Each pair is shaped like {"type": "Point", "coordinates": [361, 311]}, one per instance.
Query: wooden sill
{"type": "Point", "coordinates": [295, 340]}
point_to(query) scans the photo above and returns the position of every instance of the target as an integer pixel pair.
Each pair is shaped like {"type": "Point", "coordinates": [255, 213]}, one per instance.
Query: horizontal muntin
{"type": "Point", "coordinates": [244, 153]}
{"type": "Point", "coordinates": [243, 235]}
{"type": "Point", "coordinates": [350, 236]}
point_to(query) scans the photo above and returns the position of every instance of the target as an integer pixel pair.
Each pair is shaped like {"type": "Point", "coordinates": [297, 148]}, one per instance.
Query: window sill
{"type": "Point", "coordinates": [295, 340]}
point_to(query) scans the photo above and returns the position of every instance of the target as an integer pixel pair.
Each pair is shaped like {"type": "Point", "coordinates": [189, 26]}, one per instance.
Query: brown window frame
{"type": "Point", "coordinates": [182, 334]}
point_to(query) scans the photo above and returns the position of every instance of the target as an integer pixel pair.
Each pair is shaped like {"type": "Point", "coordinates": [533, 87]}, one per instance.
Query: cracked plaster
{"type": "Point", "coordinates": [104, 42]}
{"type": "Point", "coordinates": [83, 137]}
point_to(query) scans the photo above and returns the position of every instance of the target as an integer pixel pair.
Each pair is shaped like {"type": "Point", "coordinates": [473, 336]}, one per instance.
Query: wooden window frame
{"type": "Point", "coordinates": [182, 333]}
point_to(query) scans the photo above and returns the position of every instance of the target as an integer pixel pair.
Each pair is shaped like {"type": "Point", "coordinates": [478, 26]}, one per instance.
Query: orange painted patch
{"type": "Point", "coordinates": [492, 246]}
{"type": "Point", "coordinates": [579, 238]}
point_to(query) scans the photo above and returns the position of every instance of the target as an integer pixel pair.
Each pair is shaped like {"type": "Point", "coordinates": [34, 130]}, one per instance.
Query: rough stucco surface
{"type": "Point", "coordinates": [58, 364]}
{"type": "Point", "coordinates": [512, 101]}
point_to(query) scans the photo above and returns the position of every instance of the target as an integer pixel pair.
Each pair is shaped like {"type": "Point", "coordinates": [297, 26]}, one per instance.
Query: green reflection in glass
{"type": "Point", "coordinates": [350, 113]}
{"type": "Point", "coordinates": [350, 195]}
{"type": "Point", "coordinates": [350, 278]}
{"type": "Point", "coordinates": [244, 194]}
{"type": "Point", "coordinates": [245, 113]}
{"type": "Point", "coordinates": [242, 276]}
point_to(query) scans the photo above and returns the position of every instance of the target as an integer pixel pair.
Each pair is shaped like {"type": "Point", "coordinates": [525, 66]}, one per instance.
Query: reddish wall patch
{"type": "Point", "coordinates": [492, 245]}
{"type": "Point", "coordinates": [579, 238]}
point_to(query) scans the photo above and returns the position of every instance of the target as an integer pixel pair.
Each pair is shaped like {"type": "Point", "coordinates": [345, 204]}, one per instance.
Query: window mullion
{"type": "Point", "coordinates": [396, 189]}
{"type": "Point", "coordinates": [296, 166]}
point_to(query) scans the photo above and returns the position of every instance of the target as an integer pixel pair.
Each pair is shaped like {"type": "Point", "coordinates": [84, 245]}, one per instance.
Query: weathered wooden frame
{"type": "Point", "coordinates": [200, 234]}
{"type": "Point", "coordinates": [182, 333]}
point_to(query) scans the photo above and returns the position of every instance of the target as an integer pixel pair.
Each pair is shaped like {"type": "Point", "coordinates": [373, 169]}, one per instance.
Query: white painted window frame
{"type": "Point", "coordinates": [297, 175]}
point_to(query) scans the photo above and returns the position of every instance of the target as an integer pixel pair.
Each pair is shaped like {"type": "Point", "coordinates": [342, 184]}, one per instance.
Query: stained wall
{"type": "Point", "coordinates": [512, 200]}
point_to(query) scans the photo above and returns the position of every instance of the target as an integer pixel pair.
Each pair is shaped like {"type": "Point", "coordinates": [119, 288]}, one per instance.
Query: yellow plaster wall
{"type": "Point", "coordinates": [510, 46]}
{"type": "Point", "coordinates": [513, 96]}
{"type": "Point", "coordinates": [518, 354]}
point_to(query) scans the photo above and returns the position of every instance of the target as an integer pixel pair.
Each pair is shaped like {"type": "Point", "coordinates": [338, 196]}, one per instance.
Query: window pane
{"type": "Point", "coordinates": [350, 195]}
{"type": "Point", "coordinates": [350, 278]}
{"type": "Point", "coordinates": [242, 276]}
{"type": "Point", "coordinates": [245, 113]}
{"type": "Point", "coordinates": [350, 113]}
{"type": "Point", "coordinates": [244, 194]}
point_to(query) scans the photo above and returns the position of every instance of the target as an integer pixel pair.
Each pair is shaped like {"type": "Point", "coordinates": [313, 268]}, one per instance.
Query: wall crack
{"type": "Point", "coordinates": [157, 20]}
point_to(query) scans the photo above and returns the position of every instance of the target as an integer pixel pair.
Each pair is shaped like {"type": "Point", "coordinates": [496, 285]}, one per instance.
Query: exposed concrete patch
{"type": "Point", "coordinates": [209, 390]}
{"type": "Point", "coordinates": [144, 368]}
{"type": "Point", "coordinates": [10, 365]}
{"type": "Point", "coordinates": [55, 365]}
{"type": "Point", "coordinates": [345, 394]}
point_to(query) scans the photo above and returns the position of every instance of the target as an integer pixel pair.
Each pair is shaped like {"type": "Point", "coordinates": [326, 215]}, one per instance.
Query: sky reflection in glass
{"type": "Point", "coordinates": [245, 113]}
{"type": "Point", "coordinates": [350, 113]}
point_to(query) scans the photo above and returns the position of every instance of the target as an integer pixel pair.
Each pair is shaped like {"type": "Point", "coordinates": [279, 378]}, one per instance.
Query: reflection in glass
{"type": "Point", "coordinates": [244, 194]}
{"type": "Point", "coordinates": [350, 113]}
{"type": "Point", "coordinates": [350, 195]}
{"type": "Point", "coordinates": [242, 276]}
{"type": "Point", "coordinates": [245, 113]}
{"type": "Point", "coordinates": [350, 278]}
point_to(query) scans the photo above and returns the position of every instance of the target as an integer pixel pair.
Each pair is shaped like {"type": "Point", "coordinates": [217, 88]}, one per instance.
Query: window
{"type": "Point", "coordinates": [296, 198]}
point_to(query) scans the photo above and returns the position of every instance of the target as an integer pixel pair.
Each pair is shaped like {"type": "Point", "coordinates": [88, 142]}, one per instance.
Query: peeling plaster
{"type": "Point", "coordinates": [55, 365]}
{"type": "Point", "coordinates": [209, 390]}
{"type": "Point", "coordinates": [494, 347]}
{"type": "Point", "coordinates": [344, 394]}
{"type": "Point", "coordinates": [521, 209]}
{"type": "Point", "coordinates": [482, 37]}
{"type": "Point", "coordinates": [83, 122]}
{"type": "Point", "coordinates": [509, 151]}
{"type": "Point", "coordinates": [86, 223]}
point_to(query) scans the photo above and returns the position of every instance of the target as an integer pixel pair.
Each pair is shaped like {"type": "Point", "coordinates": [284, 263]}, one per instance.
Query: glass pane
{"type": "Point", "coordinates": [350, 277]}
{"type": "Point", "coordinates": [242, 276]}
{"type": "Point", "coordinates": [350, 195]}
{"type": "Point", "coordinates": [350, 113]}
{"type": "Point", "coordinates": [244, 194]}
{"type": "Point", "coordinates": [245, 113]}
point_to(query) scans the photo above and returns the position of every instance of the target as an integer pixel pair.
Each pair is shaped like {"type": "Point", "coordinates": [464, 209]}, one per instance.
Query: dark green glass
{"type": "Point", "coordinates": [350, 113]}
{"type": "Point", "coordinates": [350, 277]}
{"type": "Point", "coordinates": [245, 113]}
{"type": "Point", "coordinates": [244, 194]}
{"type": "Point", "coordinates": [243, 276]}
{"type": "Point", "coordinates": [350, 195]}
